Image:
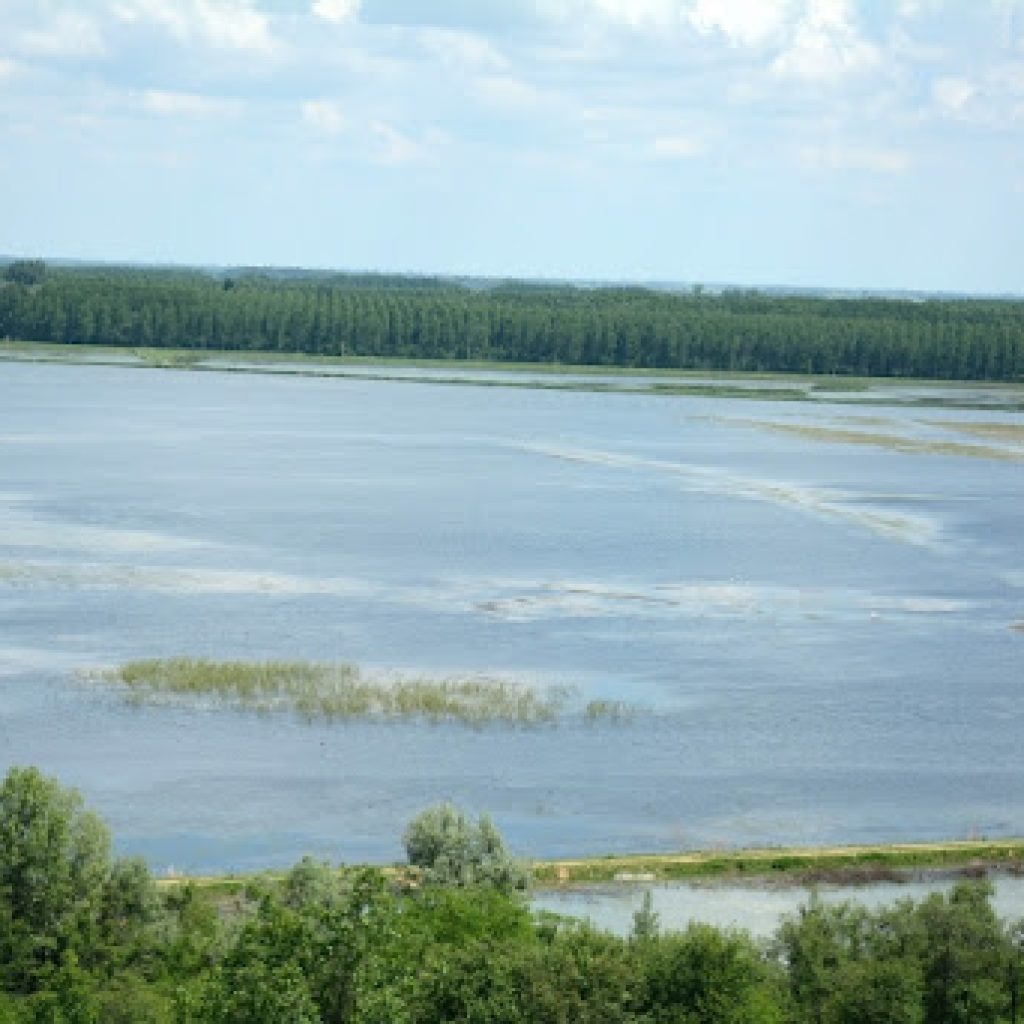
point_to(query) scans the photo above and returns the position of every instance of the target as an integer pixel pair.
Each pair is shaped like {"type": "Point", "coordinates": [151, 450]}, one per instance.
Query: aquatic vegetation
{"type": "Point", "coordinates": [608, 710]}
{"type": "Point", "coordinates": [840, 384]}
{"type": "Point", "coordinates": [168, 359]}
{"type": "Point", "coordinates": [892, 442]}
{"type": "Point", "coordinates": [339, 691]}
{"type": "Point", "coordinates": [995, 431]}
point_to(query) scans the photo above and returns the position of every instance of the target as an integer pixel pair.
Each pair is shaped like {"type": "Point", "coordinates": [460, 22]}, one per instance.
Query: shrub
{"type": "Point", "coordinates": [452, 849]}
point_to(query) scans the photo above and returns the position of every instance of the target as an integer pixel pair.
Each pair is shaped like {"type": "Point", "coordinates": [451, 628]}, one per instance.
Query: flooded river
{"type": "Point", "coordinates": [811, 609]}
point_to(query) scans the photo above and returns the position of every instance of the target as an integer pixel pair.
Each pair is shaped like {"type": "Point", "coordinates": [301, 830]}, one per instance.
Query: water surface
{"type": "Point", "coordinates": [758, 909]}
{"type": "Point", "coordinates": [817, 635]}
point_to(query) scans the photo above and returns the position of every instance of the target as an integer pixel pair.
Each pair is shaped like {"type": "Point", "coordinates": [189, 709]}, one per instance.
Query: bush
{"type": "Point", "coordinates": [452, 849]}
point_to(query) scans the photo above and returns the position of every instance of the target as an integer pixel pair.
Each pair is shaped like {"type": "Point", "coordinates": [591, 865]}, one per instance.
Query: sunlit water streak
{"type": "Point", "coordinates": [912, 529]}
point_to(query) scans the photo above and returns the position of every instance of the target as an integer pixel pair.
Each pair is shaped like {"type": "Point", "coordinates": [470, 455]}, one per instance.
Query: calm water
{"type": "Point", "coordinates": [817, 635]}
{"type": "Point", "coordinates": [757, 909]}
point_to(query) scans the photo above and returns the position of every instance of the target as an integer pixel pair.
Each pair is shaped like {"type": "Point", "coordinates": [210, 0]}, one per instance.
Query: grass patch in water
{"type": "Point", "coordinates": [993, 431]}
{"type": "Point", "coordinates": [169, 359]}
{"type": "Point", "coordinates": [764, 394]}
{"type": "Point", "coordinates": [608, 711]}
{"type": "Point", "coordinates": [891, 442]}
{"type": "Point", "coordinates": [318, 691]}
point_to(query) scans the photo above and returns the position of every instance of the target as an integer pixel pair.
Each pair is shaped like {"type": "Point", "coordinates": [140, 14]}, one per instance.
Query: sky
{"type": "Point", "coordinates": [871, 144]}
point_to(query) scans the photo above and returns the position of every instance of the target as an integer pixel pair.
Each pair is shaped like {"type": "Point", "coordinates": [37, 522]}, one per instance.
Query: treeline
{"type": "Point", "coordinates": [430, 318]}
{"type": "Point", "coordinates": [86, 939]}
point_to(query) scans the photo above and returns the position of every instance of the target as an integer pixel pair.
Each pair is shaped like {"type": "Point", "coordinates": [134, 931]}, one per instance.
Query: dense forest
{"type": "Point", "coordinates": [431, 318]}
{"type": "Point", "coordinates": [86, 938]}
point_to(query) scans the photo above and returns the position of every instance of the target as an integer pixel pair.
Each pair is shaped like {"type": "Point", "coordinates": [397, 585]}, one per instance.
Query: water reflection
{"type": "Point", "coordinates": [757, 909]}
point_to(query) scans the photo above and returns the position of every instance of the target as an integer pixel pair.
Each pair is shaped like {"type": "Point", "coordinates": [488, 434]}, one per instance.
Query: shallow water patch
{"type": "Point", "coordinates": [890, 442]}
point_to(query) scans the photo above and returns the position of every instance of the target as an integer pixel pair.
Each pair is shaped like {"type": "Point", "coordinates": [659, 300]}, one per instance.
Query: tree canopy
{"type": "Point", "coordinates": [429, 318]}
{"type": "Point", "coordinates": [90, 940]}
{"type": "Point", "coordinates": [26, 272]}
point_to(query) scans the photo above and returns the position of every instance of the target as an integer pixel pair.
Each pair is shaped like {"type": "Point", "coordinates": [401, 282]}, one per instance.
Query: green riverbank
{"type": "Point", "coordinates": [851, 865]}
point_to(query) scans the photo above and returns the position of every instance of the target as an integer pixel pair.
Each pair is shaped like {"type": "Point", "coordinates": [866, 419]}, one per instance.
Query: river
{"type": "Point", "coordinates": [811, 608]}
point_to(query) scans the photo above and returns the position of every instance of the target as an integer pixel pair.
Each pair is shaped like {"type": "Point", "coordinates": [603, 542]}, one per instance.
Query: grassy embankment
{"type": "Point", "coordinates": [797, 866]}
{"type": "Point", "coordinates": [317, 691]}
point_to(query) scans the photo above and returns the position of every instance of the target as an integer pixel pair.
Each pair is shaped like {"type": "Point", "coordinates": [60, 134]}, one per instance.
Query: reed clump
{"type": "Point", "coordinates": [168, 359]}
{"type": "Point", "coordinates": [891, 442]}
{"type": "Point", "coordinates": [996, 431]}
{"type": "Point", "coordinates": [327, 691]}
{"type": "Point", "coordinates": [608, 711]}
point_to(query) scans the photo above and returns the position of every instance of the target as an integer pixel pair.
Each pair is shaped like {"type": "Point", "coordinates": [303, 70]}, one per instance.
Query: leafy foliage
{"type": "Point", "coordinates": [54, 875]}
{"type": "Point", "coordinates": [25, 272]}
{"type": "Point", "coordinates": [88, 940]}
{"type": "Point", "coordinates": [452, 849]}
{"type": "Point", "coordinates": [394, 316]}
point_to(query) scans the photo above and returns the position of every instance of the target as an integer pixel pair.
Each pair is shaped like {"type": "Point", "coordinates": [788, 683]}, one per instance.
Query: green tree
{"type": "Point", "coordinates": [966, 957]}
{"type": "Point", "coordinates": [54, 866]}
{"type": "Point", "coordinates": [26, 272]}
{"type": "Point", "coordinates": [877, 991]}
{"type": "Point", "coordinates": [264, 978]}
{"type": "Point", "coordinates": [646, 922]}
{"type": "Point", "coordinates": [707, 976]}
{"type": "Point", "coordinates": [451, 849]}
{"type": "Point", "coordinates": [69, 998]}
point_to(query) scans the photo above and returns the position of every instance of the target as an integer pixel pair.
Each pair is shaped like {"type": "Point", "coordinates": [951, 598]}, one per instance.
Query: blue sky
{"type": "Point", "coordinates": [849, 143]}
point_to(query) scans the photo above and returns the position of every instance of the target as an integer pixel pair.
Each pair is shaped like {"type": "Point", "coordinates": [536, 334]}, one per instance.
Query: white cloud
{"type": "Point", "coordinates": [640, 14]}
{"type": "Point", "coordinates": [186, 104]}
{"type": "Point", "coordinates": [337, 11]}
{"type": "Point", "coordinates": [397, 148]}
{"type": "Point", "coordinates": [508, 92]}
{"type": "Point", "coordinates": [8, 69]}
{"type": "Point", "coordinates": [904, 47]}
{"type": "Point", "coordinates": [222, 24]}
{"type": "Point", "coordinates": [907, 10]}
{"type": "Point", "coordinates": [856, 158]}
{"type": "Point", "coordinates": [995, 99]}
{"type": "Point", "coordinates": [742, 22]}
{"type": "Point", "coordinates": [66, 34]}
{"type": "Point", "coordinates": [324, 116]}
{"type": "Point", "coordinates": [826, 45]}
{"type": "Point", "coordinates": [953, 94]}
{"type": "Point", "coordinates": [678, 147]}
{"type": "Point", "coordinates": [462, 49]}
{"type": "Point", "coordinates": [1009, 78]}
